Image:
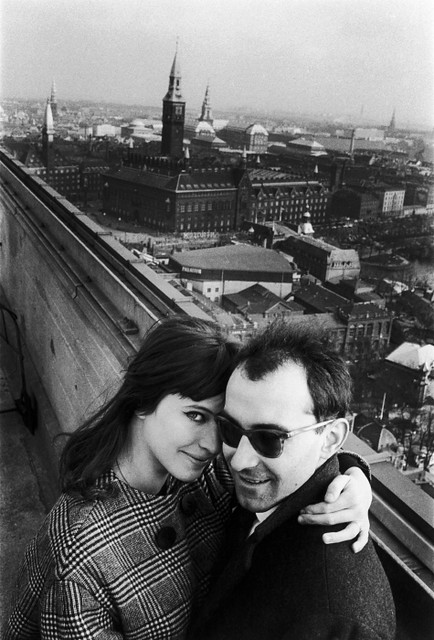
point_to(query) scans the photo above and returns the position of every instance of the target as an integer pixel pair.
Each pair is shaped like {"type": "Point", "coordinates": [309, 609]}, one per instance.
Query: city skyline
{"type": "Point", "coordinates": [360, 59]}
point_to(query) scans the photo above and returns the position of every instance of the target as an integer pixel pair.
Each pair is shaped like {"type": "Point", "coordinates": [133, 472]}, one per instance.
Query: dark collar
{"type": "Point", "coordinates": [310, 492]}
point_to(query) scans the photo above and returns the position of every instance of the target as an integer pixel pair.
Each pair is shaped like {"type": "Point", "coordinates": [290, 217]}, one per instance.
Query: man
{"type": "Point", "coordinates": [283, 422]}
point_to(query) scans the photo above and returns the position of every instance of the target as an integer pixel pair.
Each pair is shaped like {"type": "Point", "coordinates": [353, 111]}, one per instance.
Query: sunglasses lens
{"type": "Point", "coordinates": [268, 445]}
{"type": "Point", "coordinates": [229, 433]}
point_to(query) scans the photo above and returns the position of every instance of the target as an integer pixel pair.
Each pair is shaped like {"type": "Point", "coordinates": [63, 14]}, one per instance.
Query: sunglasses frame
{"type": "Point", "coordinates": [282, 436]}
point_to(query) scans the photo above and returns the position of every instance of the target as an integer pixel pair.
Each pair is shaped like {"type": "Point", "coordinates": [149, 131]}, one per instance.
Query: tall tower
{"type": "Point", "coordinates": [206, 114]}
{"type": "Point", "coordinates": [53, 99]}
{"type": "Point", "coordinates": [48, 137]}
{"type": "Point", "coordinates": [173, 114]}
{"type": "Point", "coordinates": [392, 125]}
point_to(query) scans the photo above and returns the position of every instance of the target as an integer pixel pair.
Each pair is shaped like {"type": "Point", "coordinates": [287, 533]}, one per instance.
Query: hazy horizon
{"type": "Point", "coordinates": [360, 59]}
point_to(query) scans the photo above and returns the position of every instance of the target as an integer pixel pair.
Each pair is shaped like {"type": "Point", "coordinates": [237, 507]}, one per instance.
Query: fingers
{"type": "Point", "coordinates": [362, 539]}
{"type": "Point", "coordinates": [351, 531]}
{"type": "Point", "coordinates": [323, 514]}
{"type": "Point", "coordinates": [336, 487]}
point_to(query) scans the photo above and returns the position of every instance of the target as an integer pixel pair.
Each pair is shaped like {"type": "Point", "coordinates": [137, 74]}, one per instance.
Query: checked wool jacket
{"type": "Point", "coordinates": [130, 565]}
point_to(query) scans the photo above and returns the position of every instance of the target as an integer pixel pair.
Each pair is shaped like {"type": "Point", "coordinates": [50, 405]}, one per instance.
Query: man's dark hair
{"type": "Point", "coordinates": [328, 377]}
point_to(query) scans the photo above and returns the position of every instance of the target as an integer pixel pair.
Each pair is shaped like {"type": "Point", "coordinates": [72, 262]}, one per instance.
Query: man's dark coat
{"type": "Point", "coordinates": [284, 583]}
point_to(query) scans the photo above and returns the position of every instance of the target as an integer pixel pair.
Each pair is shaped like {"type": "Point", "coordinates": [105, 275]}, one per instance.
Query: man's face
{"type": "Point", "coordinates": [281, 400]}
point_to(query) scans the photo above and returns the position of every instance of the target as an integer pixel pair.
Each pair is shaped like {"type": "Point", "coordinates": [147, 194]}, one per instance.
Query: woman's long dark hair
{"type": "Point", "coordinates": [179, 355]}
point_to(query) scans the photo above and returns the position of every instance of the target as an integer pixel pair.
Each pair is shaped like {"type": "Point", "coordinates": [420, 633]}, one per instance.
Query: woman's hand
{"type": "Point", "coordinates": [348, 499]}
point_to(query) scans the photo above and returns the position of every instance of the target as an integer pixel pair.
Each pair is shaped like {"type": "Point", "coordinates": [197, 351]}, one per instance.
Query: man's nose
{"type": "Point", "coordinates": [243, 457]}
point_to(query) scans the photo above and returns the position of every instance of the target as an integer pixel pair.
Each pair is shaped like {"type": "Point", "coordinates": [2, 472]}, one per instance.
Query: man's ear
{"type": "Point", "coordinates": [334, 436]}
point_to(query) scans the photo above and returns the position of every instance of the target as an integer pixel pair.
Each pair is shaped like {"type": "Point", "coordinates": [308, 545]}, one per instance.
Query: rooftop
{"type": "Point", "coordinates": [319, 297]}
{"type": "Point", "coordinates": [413, 356]}
{"type": "Point", "coordinates": [240, 257]}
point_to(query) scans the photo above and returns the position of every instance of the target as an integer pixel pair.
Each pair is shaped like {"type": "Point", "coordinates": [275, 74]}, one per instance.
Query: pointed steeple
{"type": "Point", "coordinates": [174, 93]}
{"type": "Point", "coordinates": [48, 126]}
{"type": "Point", "coordinates": [53, 99]}
{"type": "Point", "coordinates": [206, 114]}
{"type": "Point", "coordinates": [47, 137]}
{"type": "Point", "coordinates": [53, 92]}
{"type": "Point", "coordinates": [392, 124]}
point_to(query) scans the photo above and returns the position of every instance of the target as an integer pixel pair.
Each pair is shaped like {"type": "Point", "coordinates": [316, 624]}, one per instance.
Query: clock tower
{"type": "Point", "coordinates": [173, 114]}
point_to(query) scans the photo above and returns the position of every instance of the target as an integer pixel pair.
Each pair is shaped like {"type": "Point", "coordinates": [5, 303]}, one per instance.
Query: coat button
{"type": "Point", "coordinates": [188, 505]}
{"type": "Point", "coordinates": [165, 537]}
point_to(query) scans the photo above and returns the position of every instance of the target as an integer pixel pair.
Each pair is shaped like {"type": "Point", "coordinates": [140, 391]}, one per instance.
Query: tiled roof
{"type": "Point", "coordinates": [317, 321]}
{"type": "Point", "coordinates": [363, 310]}
{"type": "Point", "coordinates": [148, 178]}
{"type": "Point", "coordinates": [295, 239]}
{"type": "Point", "coordinates": [234, 257]}
{"type": "Point", "coordinates": [256, 299]}
{"type": "Point", "coordinates": [319, 297]}
{"type": "Point", "coordinates": [182, 181]}
{"type": "Point", "coordinates": [207, 179]}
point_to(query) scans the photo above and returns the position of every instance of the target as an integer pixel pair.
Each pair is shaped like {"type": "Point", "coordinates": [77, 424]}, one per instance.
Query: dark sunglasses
{"type": "Point", "coordinates": [267, 442]}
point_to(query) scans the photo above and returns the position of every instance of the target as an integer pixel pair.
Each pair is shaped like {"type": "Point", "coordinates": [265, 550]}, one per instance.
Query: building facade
{"type": "Point", "coordinates": [174, 200]}
{"type": "Point", "coordinates": [321, 259]}
{"type": "Point", "coordinates": [253, 138]}
{"type": "Point", "coordinates": [278, 196]}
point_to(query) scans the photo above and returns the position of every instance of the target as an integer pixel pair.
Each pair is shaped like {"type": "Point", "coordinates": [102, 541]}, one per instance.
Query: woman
{"type": "Point", "coordinates": [129, 548]}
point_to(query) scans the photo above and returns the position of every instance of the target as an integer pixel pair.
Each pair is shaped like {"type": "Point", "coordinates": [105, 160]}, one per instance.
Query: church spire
{"type": "Point", "coordinates": [206, 114]}
{"type": "Point", "coordinates": [48, 126]}
{"type": "Point", "coordinates": [174, 92]}
{"type": "Point", "coordinates": [53, 99]}
{"type": "Point", "coordinates": [47, 137]}
{"type": "Point", "coordinates": [392, 124]}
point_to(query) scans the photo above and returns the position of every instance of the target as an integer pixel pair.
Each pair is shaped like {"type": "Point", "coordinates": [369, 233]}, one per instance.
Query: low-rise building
{"type": "Point", "coordinates": [317, 299]}
{"type": "Point", "coordinates": [319, 258]}
{"type": "Point", "coordinates": [225, 270]}
{"type": "Point", "coordinates": [259, 305]}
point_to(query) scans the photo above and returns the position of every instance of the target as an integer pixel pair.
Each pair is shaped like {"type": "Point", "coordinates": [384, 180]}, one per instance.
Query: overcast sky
{"type": "Point", "coordinates": [320, 56]}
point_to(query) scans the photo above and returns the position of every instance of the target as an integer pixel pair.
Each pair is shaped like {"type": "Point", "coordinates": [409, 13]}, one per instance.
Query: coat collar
{"type": "Point", "coordinates": [310, 492]}
{"type": "Point", "coordinates": [237, 566]}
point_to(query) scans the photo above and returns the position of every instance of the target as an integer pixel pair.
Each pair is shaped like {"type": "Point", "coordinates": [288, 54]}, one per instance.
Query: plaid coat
{"type": "Point", "coordinates": [128, 566]}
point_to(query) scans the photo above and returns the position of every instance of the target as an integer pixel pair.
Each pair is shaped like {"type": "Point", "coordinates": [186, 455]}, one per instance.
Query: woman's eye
{"type": "Point", "coordinates": [195, 416]}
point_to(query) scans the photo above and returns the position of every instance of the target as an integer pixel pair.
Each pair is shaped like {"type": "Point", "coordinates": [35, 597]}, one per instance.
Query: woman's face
{"type": "Point", "coordinates": [180, 437]}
